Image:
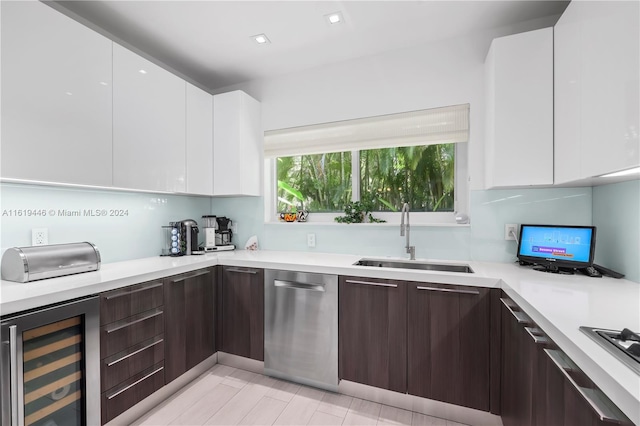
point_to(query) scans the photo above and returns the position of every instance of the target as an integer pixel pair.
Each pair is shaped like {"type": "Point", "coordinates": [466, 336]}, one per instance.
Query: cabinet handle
{"type": "Point", "coordinates": [124, 293]}
{"type": "Point", "coordinates": [146, 317]}
{"type": "Point", "coordinates": [538, 339]}
{"type": "Point", "coordinates": [298, 286]}
{"type": "Point", "coordinates": [594, 397]}
{"type": "Point", "coordinates": [190, 276]}
{"type": "Point", "coordinates": [242, 271]}
{"type": "Point", "coordinates": [448, 290]}
{"type": "Point", "coordinates": [113, 395]}
{"type": "Point", "coordinates": [370, 283]}
{"type": "Point", "coordinates": [13, 355]}
{"type": "Point", "coordinates": [521, 317]}
{"type": "Point", "coordinates": [134, 352]}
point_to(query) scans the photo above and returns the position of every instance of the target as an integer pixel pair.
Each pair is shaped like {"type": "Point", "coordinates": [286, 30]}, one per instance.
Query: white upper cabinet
{"type": "Point", "coordinates": [149, 125]}
{"type": "Point", "coordinates": [597, 103]}
{"type": "Point", "coordinates": [56, 97]}
{"type": "Point", "coordinates": [519, 108]}
{"type": "Point", "coordinates": [199, 141]}
{"type": "Point", "coordinates": [237, 144]}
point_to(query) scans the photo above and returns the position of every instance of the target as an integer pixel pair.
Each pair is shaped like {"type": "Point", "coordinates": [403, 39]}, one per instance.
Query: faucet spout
{"type": "Point", "coordinates": [405, 230]}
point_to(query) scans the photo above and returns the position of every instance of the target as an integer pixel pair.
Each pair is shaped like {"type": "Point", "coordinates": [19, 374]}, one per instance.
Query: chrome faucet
{"type": "Point", "coordinates": [405, 228]}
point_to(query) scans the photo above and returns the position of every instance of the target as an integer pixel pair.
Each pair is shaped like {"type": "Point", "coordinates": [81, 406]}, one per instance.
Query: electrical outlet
{"type": "Point", "coordinates": [311, 240]}
{"type": "Point", "coordinates": [510, 231]}
{"type": "Point", "coordinates": [39, 236]}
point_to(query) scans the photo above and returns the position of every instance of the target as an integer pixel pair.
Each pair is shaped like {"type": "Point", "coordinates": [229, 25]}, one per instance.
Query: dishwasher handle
{"type": "Point", "coordinates": [298, 285]}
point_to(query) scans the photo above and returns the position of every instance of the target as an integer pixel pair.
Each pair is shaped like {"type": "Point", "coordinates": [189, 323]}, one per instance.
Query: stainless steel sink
{"type": "Point", "coordinates": [425, 266]}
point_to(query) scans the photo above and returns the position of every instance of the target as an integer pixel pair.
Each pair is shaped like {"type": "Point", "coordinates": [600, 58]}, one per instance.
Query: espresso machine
{"type": "Point", "coordinates": [181, 238]}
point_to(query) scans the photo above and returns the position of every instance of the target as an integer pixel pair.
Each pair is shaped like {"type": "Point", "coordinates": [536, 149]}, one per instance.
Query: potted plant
{"type": "Point", "coordinates": [358, 212]}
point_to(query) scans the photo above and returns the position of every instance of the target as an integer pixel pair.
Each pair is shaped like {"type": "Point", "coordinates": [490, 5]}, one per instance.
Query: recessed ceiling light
{"type": "Point", "coordinates": [103, 83]}
{"type": "Point", "coordinates": [623, 172]}
{"type": "Point", "coordinates": [261, 39]}
{"type": "Point", "coordinates": [334, 18]}
{"type": "Point", "coordinates": [142, 71]}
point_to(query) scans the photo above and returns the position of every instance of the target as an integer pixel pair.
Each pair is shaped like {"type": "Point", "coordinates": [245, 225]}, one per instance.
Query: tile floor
{"type": "Point", "coordinates": [230, 396]}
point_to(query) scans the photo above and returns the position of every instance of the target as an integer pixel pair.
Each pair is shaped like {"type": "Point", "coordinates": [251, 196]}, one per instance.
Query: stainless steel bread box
{"type": "Point", "coordinates": [24, 264]}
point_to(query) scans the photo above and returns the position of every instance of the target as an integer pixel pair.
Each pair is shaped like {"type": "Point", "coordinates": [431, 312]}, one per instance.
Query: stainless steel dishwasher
{"type": "Point", "coordinates": [301, 327]}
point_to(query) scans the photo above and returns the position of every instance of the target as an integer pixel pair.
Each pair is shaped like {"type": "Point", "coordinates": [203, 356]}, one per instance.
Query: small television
{"type": "Point", "coordinates": [554, 248]}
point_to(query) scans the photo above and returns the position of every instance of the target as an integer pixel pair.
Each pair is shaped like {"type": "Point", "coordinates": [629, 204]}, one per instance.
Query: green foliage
{"type": "Point", "coordinates": [422, 176]}
{"type": "Point", "coordinates": [321, 182]}
{"type": "Point", "coordinates": [356, 212]}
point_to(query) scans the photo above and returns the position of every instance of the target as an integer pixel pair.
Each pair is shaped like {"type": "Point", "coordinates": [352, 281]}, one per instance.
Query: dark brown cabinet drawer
{"type": "Point", "coordinates": [120, 335]}
{"type": "Point", "coordinates": [124, 396]}
{"type": "Point", "coordinates": [125, 302]}
{"type": "Point", "coordinates": [124, 365]}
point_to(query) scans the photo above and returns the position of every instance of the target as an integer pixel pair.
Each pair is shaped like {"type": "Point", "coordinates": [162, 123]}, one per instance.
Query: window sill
{"type": "Point", "coordinates": [380, 225]}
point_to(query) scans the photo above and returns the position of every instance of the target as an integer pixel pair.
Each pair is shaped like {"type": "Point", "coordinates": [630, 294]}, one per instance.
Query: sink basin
{"type": "Point", "coordinates": [412, 264]}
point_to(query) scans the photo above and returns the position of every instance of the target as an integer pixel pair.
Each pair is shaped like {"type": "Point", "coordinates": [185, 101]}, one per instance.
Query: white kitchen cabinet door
{"type": "Point", "coordinates": [519, 91]}
{"type": "Point", "coordinates": [149, 148]}
{"type": "Point", "coordinates": [567, 89]}
{"type": "Point", "coordinates": [199, 141]}
{"type": "Point", "coordinates": [610, 89]}
{"type": "Point", "coordinates": [237, 145]}
{"type": "Point", "coordinates": [56, 97]}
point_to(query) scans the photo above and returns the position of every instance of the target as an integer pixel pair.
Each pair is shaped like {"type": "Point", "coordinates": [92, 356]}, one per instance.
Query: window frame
{"type": "Point", "coordinates": [461, 195]}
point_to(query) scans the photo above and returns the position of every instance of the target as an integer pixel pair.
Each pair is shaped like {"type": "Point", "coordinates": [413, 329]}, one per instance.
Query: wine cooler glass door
{"type": "Point", "coordinates": [52, 364]}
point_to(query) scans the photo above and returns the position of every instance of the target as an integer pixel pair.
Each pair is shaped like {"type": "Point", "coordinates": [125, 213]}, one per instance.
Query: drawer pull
{"type": "Point", "coordinates": [112, 363]}
{"type": "Point", "coordinates": [594, 397]}
{"type": "Point", "coordinates": [449, 290]}
{"type": "Point", "coordinates": [146, 317]}
{"type": "Point", "coordinates": [536, 335]}
{"type": "Point", "coordinates": [113, 395]}
{"type": "Point", "coordinates": [521, 317]}
{"type": "Point", "coordinates": [126, 293]}
{"type": "Point", "coordinates": [241, 271]}
{"type": "Point", "coordinates": [370, 283]}
{"type": "Point", "coordinates": [190, 276]}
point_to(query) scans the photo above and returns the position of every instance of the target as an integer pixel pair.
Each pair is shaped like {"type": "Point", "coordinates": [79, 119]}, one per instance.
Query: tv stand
{"type": "Point", "coordinates": [552, 269]}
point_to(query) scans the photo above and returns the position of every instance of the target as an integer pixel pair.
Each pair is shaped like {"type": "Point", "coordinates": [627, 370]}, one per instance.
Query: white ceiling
{"type": "Point", "coordinates": [209, 41]}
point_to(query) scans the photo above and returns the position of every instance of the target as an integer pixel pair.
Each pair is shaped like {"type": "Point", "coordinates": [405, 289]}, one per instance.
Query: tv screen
{"type": "Point", "coordinates": [562, 246]}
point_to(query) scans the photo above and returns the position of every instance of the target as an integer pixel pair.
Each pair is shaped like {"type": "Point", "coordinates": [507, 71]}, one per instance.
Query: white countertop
{"type": "Point", "coordinates": [559, 304]}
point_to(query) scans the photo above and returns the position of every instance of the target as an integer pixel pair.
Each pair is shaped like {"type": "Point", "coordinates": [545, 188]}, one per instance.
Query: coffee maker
{"type": "Point", "coordinates": [217, 233]}
{"type": "Point", "coordinates": [210, 227]}
{"type": "Point", "coordinates": [224, 234]}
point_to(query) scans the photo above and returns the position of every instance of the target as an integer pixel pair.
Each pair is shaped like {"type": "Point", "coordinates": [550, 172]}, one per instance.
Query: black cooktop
{"type": "Point", "coordinates": [624, 345]}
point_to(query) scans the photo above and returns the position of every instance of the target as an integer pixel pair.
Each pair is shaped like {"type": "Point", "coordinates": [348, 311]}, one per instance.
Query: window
{"type": "Point", "coordinates": [418, 157]}
{"type": "Point", "coordinates": [422, 176]}
{"type": "Point", "coordinates": [320, 182]}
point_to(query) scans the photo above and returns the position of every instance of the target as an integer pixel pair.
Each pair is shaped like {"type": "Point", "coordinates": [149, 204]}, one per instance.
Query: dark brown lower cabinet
{"type": "Point", "coordinates": [449, 338]}
{"type": "Point", "coordinates": [541, 386]}
{"type": "Point", "coordinates": [189, 321]}
{"type": "Point", "coordinates": [372, 323]}
{"type": "Point", "coordinates": [517, 369]}
{"type": "Point", "coordinates": [241, 311]}
{"type": "Point", "coordinates": [131, 346]}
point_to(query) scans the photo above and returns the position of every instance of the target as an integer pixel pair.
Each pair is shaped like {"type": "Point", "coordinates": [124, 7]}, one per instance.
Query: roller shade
{"type": "Point", "coordinates": [425, 127]}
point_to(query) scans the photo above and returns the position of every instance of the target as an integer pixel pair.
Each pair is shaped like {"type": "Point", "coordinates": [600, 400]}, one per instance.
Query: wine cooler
{"type": "Point", "coordinates": [50, 366]}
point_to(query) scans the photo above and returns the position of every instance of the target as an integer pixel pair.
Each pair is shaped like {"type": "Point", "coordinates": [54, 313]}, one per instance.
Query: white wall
{"type": "Point", "coordinates": [437, 74]}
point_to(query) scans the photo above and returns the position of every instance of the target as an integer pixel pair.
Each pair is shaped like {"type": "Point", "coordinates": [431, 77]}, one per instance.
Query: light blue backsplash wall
{"type": "Point", "coordinates": [616, 214]}
{"type": "Point", "coordinates": [135, 235]}
{"type": "Point", "coordinates": [483, 240]}
{"type": "Point", "coordinates": [614, 209]}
